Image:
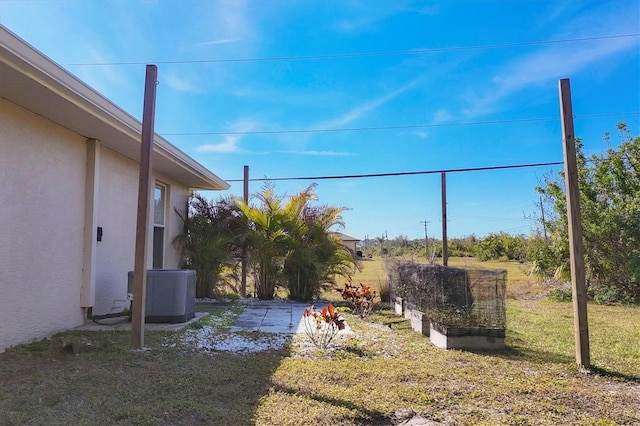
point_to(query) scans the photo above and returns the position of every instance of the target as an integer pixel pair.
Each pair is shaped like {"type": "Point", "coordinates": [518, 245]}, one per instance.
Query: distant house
{"type": "Point", "coordinates": [347, 241]}
{"type": "Point", "coordinates": [69, 161]}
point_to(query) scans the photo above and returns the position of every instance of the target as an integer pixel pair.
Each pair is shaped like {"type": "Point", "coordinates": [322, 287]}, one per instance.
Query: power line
{"type": "Point", "coordinates": [398, 127]}
{"type": "Point", "coordinates": [363, 54]}
{"type": "Point", "coordinates": [424, 172]}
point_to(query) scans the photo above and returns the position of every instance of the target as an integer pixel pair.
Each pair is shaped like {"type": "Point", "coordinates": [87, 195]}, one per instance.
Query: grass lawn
{"type": "Point", "coordinates": [380, 375]}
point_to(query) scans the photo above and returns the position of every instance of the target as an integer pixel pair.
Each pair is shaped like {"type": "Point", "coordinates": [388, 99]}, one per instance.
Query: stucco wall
{"type": "Point", "coordinates": [178, 196]}
{"type": "Point", "coordinates": [117, 213]}
{"type": "Point", "coordinates": [42, 214]}
{"type": "Point", "coordinates": [117, 210]}
{"type": "Point", "coordinates": [350, 244]}
{"type": "Point", "coordinates": [42, 169]}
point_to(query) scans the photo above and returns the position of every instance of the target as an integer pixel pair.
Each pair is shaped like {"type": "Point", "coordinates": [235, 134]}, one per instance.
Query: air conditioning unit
{"type": "Point", "coordinates": [171, 295]}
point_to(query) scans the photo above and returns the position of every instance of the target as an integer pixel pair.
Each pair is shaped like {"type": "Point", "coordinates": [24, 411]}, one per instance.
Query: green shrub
{"type": "Point", "coordinates": [610, 296]}
{"type": "Point", "coordinates": [560, 294]}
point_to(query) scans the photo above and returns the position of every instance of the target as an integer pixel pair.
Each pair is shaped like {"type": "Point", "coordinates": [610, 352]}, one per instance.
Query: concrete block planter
{"type": "Point", "coordinates": [419, 321]}
{"type": "Point", "coordinates": [399, 306]}
{"type": "Point", "coordinates": [445, 337]}
{"type": "Point", "coordinates": [407, 308]}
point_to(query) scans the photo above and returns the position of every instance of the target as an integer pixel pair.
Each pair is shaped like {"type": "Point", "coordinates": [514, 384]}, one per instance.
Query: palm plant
{"type": "Point", "coordinates": [315, 255]}
{"type": "Point", "coordinates": [266, 240]}
{"type": "Point", "coordinates": [209, 241]}
{"type": "Point", "coordinates": [292, 241]}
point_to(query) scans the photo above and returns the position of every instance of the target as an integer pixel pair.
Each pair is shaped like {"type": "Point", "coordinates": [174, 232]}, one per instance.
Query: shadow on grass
{"type": "Point", "coordinates": [364, 415]}
{"type": "Point", "coordinates": [615, 375]}
{"type": "Point", "coordinates": [533, 355]}
{"type": "Point", "coordinates": [517, 348]}
{"type": "Point", "coordinates": [111, 384]}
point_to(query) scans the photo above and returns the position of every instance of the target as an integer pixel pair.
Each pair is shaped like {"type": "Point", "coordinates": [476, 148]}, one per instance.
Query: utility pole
{"type": "Point", "coordinates": [426, 238]}
{"type": "Point", "coordinates": [144, 191]}
{"type": "Point", "coordinates": [445, 254]}
{"type": "Point", "coordinates": [574, 221]}
{"type": "Point", "coordinates": [245, 197]}
{"type": "Point", "coordinates": [383, 244]}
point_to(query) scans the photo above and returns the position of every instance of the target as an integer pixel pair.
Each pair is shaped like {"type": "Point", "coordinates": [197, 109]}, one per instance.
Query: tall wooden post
{"type": "Point", "coordinates": [145, 188]}
{"type": "Point", "coordinates": [245, 197]}
{"type": "Point", "coordinates": [445, 253]}
{"type": "Point", "coordinates": [576, 253]}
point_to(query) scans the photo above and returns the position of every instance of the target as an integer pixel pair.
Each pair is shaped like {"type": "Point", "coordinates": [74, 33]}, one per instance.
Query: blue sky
{"type": "Point", "coordinates": [274, 66]}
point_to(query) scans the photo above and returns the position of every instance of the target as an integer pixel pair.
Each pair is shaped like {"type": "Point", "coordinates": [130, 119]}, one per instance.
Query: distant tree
{"type": "Point", "coordinates": [462, 247]}
{"type": "Point", "coordinates": [610, 209]}
{"type": "Point", "coordinates": [502, 246]}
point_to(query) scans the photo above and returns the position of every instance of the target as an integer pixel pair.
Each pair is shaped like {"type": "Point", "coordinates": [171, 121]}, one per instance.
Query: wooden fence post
{"type": "Point", "coordinates": [144, 191]}
{"type": "Point", "coordinates": [576, 252]}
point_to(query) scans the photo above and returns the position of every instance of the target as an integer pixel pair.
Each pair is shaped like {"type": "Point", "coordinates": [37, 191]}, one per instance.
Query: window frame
{"type": "Point", "coordinates": [159, 227]}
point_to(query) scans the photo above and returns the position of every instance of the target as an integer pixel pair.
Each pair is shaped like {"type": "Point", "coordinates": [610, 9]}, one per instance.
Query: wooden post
{"type": "Point", "coordinates": [145, 189]}
{"type": "Point", "coordinates": [576, 253]}
{"type": "Point", "coordinates": [445, 254]}
{"type": "Point", "coordinates": [245, 197]}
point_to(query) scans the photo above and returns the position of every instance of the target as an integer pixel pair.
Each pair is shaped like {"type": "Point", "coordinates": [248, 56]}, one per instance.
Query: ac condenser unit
{"type": "Point", "coordinates": [171, 295]}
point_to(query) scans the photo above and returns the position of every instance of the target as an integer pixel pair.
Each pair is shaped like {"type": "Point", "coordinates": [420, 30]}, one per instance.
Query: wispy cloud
{"type": "Point", "coordinates": [219, 41]}
{"type": "Point", "coordinates": [232, 19]}
{"type": "Point", "coordinates": [421, 134]}
{"type": "Point", "coordinates": [180, 84]}
{"type": "Point", "coordinates": [230, 143]}
{"type": "Point", "coordinates": [441, 116]}
{"type": "Point", "coordinates": [318, 153]}
{"type": "Point", "coordinates": [543, 66]}
{"type": "Point", "coordinates": [362, 110]}
{"type": "Point", "coordinates": [365, 16]}
{"type": "Point", "coordinates": [559, 60]}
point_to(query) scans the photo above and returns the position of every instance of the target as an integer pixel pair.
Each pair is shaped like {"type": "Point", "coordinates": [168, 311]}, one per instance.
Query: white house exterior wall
{"type": "Point", "coordinates": [42, 211]}
{"type": "Point", "coordinates": [42, 169]}
{"type": "Point", "coordinates": [117, 212]}
{"type": "Point", "coordinates": [68, 166]}
{"type": "Point", "coordinates": [177, 197]}
{"type": "Point", "coordinates": [118, 198]}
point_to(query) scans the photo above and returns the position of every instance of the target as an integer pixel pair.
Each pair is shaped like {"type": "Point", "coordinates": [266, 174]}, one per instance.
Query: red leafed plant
{"type": "Point", "coordinates": [360, 297]}
{"type": "Point", "coordinates": [322, 326]}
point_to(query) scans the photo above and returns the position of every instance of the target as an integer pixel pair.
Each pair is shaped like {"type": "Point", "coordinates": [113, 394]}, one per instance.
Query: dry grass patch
{"type": "Point", "coordinates": [380, 375]}
{"type": "Point", "coordinates": [388, 370]}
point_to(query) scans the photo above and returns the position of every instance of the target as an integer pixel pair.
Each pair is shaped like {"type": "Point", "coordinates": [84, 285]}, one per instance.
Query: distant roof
{"type": "Point", "coordinates": [36, 83]}
{"type": "Point", "coordinates": [344, 237]}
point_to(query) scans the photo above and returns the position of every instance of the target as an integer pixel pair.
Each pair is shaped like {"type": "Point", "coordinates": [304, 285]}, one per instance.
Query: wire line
{"type": "Point", "coordinates": [424, 172]}
{"type": "Point", "coordinates": [363, 54]}
{"type": "Point", "coordinates": [398, 127]}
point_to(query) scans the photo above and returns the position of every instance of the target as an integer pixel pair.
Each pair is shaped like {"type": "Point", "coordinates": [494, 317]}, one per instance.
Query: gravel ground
{"type": "Point", "coordinates": [214, 337]}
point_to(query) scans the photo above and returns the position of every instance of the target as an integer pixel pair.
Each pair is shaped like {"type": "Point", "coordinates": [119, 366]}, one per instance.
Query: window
{"type": "Point", "coordinates": [159, 209]}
